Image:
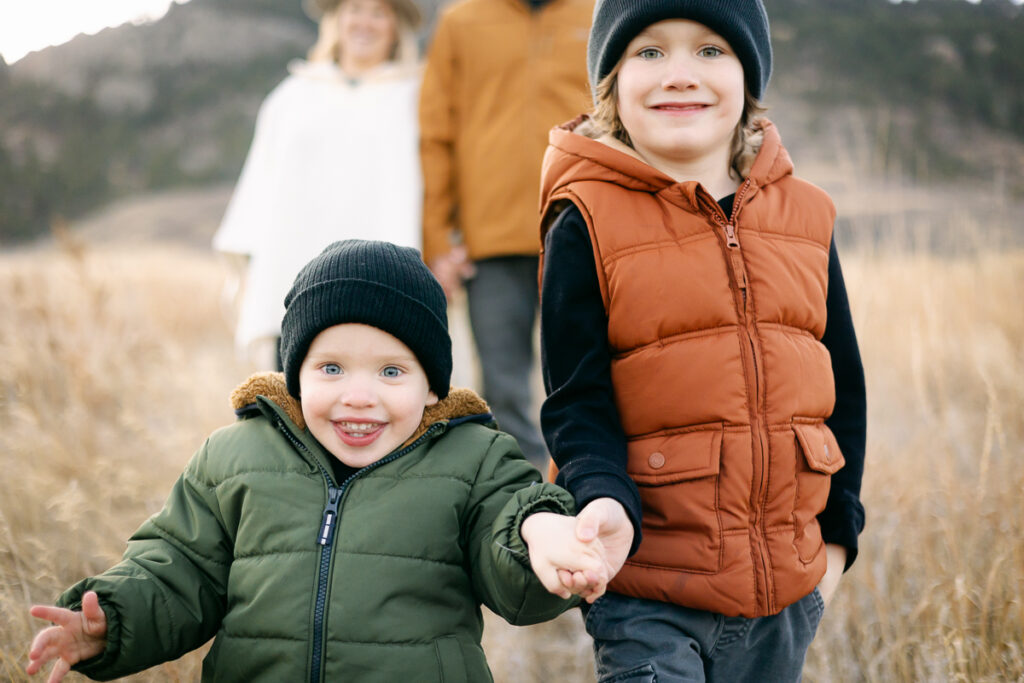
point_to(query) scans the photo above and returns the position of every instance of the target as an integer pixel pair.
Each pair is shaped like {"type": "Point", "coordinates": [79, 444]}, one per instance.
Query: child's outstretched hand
{"type": "Point", "coordinates": [74, 637]}
{"type": "Point", "coordinates": [564, 564]}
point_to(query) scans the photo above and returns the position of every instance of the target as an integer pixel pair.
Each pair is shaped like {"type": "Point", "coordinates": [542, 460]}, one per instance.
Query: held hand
{"type": "Point", "coordinates": [451, 269]}
{"type": "Point", "coordinates": [555, 551]}
{"type": "Point", "coordinates": [604, 522]}
{"type": "Point", "coordinates": [74, 637]}
{"type": "Point", "coordinates": [836, 556]}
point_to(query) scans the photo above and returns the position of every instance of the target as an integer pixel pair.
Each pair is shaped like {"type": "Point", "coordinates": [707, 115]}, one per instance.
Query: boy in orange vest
{"type": "Point", "coordinates": [705, 389]}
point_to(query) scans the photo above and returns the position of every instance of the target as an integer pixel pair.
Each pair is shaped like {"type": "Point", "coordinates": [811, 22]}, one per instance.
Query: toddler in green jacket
{"type": "Point", "coordinates": [352, 521]}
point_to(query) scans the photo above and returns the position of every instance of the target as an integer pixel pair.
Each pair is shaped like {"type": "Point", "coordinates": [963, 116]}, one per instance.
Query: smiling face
{"type": "Point", "coordinates": [680, 95]}
{"type": "Point", "coordinates": [363, 392]}
{"type": "Point", "coordinates": [367, 32]}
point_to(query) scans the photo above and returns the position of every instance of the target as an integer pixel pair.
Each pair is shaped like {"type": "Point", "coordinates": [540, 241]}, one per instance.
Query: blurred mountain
{"type": "Point", "coordinates": [930, 90]}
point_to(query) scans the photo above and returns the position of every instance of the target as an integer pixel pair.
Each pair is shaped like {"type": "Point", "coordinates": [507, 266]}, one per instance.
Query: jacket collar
{"type": "Point", "coordinates": [573, 155]}
{"type": "Point", "coordinates": [459, 406]}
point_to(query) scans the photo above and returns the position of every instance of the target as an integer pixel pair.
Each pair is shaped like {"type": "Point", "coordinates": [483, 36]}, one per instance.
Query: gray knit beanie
{"type": "Point", "coordinates": [373, 283]}
{"type": "Point", "coordinates": [743, 23]}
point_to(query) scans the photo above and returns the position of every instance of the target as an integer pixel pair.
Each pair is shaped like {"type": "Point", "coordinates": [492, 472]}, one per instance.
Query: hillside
{"type": "Point", "coordinates": [908, 94]}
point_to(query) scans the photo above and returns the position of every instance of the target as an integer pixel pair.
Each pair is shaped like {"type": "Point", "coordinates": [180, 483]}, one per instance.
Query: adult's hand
{"type": "Point", "coordinates": [451, 269]}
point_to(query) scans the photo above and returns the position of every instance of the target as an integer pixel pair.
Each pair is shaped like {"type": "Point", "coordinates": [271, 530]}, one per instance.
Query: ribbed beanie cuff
{"type": "Point", "coordinates": [372, 283]}
{"type": "Point", "coordinates": [744, 23]}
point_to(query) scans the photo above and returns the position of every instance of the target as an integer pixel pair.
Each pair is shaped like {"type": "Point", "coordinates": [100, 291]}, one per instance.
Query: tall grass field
{"type": "Point", "coordinates": [116, 363]}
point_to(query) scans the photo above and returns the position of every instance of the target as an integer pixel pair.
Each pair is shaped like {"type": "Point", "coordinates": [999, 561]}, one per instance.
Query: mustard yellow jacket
{"type": "Point", "coordinates": [498, 77]}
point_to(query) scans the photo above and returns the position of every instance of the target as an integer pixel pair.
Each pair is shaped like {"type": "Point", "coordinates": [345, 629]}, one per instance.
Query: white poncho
{"type": "Point", "coordinates": [331, 158]}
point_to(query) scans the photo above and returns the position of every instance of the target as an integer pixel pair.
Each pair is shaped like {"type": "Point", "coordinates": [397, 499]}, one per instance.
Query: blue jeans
{"type": "Point", "coordinates": [503, 302]}
{"type": "Point", "coordinates": [644, 640]}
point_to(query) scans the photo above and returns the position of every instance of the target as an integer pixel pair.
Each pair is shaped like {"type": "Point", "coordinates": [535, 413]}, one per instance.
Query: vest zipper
{"type": "Point", "coordinates": [732, 241]}
{"type": "Point", "coordinates": [734, 250]}
{"type": "Point", "coordinates": [755, 412]}
{"type": "Point", "coordinates": [325, 536]}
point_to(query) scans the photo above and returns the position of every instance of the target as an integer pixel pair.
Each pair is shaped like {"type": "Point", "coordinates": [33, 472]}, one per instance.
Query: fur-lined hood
{"type": "Point", "coordinates": [271, 386]}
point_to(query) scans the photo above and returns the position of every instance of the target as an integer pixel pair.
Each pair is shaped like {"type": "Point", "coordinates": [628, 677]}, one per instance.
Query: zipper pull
{"type": "Point", "coordinates": [330, 516]}
{"type": "Point", "coordinates": [741, 273]}
{"type": "Point", "coordinates": [731, 240]}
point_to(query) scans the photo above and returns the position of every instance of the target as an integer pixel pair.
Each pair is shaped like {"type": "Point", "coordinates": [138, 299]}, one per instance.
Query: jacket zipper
{"type": "Point", "coordinates": [325, 536]}
{"type": "Point", "coordinates": [732, 243]}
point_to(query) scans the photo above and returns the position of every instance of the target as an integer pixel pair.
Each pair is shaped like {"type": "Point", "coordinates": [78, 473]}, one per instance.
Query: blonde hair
{"type": "Point", "coordinates": [746, 140]}
{"type": "Point", "coordinates": [328, 43]}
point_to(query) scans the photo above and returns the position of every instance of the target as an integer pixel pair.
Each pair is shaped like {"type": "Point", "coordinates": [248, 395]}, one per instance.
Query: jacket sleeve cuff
{"type": "Point", "coordinates": [99, 667]}
{"type": "Point", "coordinates": [522, 599]}
{"type": "Point", "coordinates": [537, 498]}
{"type": "Point", "coordinates": [841, 524]}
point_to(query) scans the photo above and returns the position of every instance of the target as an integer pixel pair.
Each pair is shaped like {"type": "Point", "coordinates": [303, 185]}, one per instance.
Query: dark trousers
{"type": "Point", "coordinates": [503, 301]}
{"type": "Point", "coordinates": [644, 640]}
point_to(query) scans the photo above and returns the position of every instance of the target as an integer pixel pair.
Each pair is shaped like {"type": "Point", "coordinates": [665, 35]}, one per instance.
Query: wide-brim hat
{"type": "Point", "coordinates": [406, 10]}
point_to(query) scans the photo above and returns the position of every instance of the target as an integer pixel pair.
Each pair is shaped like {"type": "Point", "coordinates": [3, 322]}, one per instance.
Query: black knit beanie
{"type": "Point", "coordinates": [743, 23]}
{"type": "Point", "coordinates": [373, 283]}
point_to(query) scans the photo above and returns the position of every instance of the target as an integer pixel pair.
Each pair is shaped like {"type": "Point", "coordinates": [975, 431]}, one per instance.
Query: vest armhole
{"type": "Point", "coordinates": [551, 213]}
{"type": "Point", "coordinates": [602, 281]}
{"type": "Point", "coordinates": [554, 208]}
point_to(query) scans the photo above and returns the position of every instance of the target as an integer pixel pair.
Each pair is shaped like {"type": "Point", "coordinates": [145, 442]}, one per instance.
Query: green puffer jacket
{"type": "Point", "coordinates": [378, 578]}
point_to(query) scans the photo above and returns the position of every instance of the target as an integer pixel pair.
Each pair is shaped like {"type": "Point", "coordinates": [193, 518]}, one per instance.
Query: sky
{"type": "Point", "coordinates": [27, 25]}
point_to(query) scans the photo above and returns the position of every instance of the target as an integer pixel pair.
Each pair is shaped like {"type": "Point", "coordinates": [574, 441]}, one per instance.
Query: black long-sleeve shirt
{"type": "Point", "coordinates": [581, 422]}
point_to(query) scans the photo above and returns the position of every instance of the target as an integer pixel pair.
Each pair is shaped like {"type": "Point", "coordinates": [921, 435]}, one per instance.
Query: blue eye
{"type": "Point", "coordinates": [391, 372]}
{"type": "Point", "coordinates": [331, 369]}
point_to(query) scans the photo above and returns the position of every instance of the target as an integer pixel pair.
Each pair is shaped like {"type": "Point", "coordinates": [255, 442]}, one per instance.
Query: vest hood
{"type": "Point", "coordinates": [459, 403]}
{"type": "Point", "coordinates": [575, 155]}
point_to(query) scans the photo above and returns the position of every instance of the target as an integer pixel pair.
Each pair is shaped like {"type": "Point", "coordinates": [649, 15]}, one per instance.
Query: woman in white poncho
{"type": "Point", "coordinates": [334, 156]}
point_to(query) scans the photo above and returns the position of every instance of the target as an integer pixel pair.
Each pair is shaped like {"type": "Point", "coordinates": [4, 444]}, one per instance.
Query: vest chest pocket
{"type": "Point", "coordinates": [821, 458]}
{"type": "Point", "coordinates": [678, 478]}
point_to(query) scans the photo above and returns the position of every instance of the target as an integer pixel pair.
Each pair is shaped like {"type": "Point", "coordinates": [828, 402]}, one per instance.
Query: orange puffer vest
{"type": "Point", "coordinates": [721, 381]}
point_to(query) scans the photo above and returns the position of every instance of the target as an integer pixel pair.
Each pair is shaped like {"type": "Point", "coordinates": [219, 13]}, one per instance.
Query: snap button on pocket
{"type": "Point", "coordinates": [656, 460]}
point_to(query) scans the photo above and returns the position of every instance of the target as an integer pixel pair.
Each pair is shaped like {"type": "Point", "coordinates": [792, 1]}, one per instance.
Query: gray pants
{"type": "Point", "coordinates": [503, 301]}
{"type": "Point", "coordinates": [644, 640]}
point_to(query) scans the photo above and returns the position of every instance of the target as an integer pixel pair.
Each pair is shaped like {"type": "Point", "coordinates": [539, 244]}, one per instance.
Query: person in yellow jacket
{"type": "Point", "coordinates": [499, 75]}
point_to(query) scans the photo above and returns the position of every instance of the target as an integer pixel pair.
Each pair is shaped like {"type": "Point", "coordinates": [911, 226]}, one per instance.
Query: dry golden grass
{"type": "Point", "coordinates": [115, 364]}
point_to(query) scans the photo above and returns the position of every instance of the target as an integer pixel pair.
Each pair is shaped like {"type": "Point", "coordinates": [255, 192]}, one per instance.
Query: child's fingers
{"type": "Point", "coordinates": [95, 621]}
{"type": "Point", "coordinates": [592, 574]}
{"type": "Point", "coordinates": [579, 582]}
{"type": "Point", "coordinates": [45, 647]}
{"type": "Point", "coordinates": [57, 615]}
{"type": "Point", "coordinates": [549, 578]}
{"type": "Point", "coordinates": [59, 671]}
{"type": "Point", "coordinates": [34, 665]}
{"type": "Point", "coordinates": [46, 644]}
{"type": "Point", "coordinates": [593, 596]}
